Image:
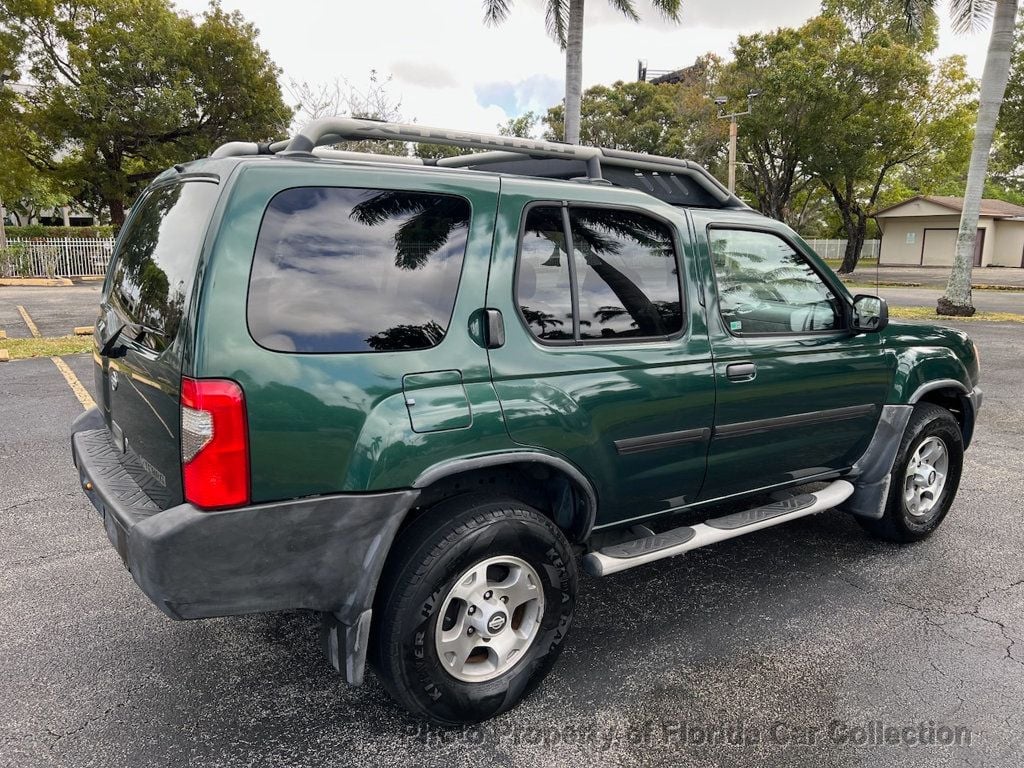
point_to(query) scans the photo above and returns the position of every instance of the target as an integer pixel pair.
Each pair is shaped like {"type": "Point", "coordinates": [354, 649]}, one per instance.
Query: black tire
{"type": "Point", "coordinates": [425, 562]}
{"type": "Point", "coordinates": [898, 523]}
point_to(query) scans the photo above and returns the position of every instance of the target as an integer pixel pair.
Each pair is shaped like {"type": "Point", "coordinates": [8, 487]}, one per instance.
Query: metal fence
{"type": "Point", "coordinates": [56, 257]}
{"type": "Point", "coordinates": [836, 249]}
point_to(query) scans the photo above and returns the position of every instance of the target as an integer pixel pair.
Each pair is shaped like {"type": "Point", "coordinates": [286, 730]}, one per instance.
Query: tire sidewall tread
{"type": "Point", "coordinates": [429, 555]}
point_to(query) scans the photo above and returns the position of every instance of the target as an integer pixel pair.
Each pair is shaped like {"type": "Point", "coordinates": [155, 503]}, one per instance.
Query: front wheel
{"type": "Point", "coordinates": [924, 479]}
{"type": "Point", "coordinates": [473, 607]}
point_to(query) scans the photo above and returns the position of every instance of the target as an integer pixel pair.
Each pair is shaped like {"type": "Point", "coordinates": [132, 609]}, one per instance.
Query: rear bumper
{"type": "Point", "coordinates": [323, 554]}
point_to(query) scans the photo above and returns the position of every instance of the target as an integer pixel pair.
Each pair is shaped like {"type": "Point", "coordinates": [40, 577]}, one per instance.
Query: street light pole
{"type": "Point", "coordinates": [734, 130]}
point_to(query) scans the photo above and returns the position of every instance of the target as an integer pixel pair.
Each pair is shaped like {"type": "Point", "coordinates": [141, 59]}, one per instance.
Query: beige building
{"type": "Point", "coordinates": [922, 231]}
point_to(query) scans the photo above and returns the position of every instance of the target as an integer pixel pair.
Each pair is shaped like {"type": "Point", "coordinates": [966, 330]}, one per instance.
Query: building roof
{"type": "Point", "coordinates": [997, 209]}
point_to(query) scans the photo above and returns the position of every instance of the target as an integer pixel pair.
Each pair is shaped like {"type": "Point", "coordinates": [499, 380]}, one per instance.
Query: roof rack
{"type": "Point", "coordinates": [497, 149]}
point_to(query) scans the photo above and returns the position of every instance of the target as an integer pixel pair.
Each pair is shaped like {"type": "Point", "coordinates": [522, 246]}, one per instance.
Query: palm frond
{"type": "Point", "coordinates": [496, 11]}
{"type": "Point", "coordinates": [971, 15]}
{"type": "Point", "coordinates": [670, 9]}
{"type": "Point", "coordinates": [556, 19]}
{"type": "Point", "coordinates": [626, 8]}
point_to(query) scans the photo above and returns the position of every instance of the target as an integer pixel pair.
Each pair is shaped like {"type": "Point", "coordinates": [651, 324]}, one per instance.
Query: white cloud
{"type": "Point", "coordinates": [446, 62]}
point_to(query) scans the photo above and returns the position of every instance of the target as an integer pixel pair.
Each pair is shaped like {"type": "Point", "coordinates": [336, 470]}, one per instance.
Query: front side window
{"type": "Point", "coordinates": [157, 255]}
{"type": "Point", "coordinates": [622, 283]}
{"type": "Point", "coordinates": [356, 270]}
{"type": "Point", "coordinates": [767, 287]}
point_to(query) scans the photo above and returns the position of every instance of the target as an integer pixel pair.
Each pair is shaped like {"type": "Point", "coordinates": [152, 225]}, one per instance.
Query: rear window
{"type": "Point", "coordinates": [356, 270]}
{"type": "Point", "coordinates": [157, 254]}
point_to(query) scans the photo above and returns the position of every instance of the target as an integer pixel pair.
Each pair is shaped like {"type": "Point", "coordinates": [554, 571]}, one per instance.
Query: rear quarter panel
{"type": "Point", "coordinates": [329, 423]}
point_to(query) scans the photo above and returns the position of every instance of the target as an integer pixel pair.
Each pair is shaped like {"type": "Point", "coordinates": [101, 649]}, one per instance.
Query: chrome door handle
{"type": "Point", "coordinates": [740, 371]}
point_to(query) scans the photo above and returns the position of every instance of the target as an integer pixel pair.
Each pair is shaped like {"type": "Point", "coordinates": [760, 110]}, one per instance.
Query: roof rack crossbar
{"type": "Point", "coordinates": [496, 149]}
{"type": "Point", "coordinates": [331, 130]}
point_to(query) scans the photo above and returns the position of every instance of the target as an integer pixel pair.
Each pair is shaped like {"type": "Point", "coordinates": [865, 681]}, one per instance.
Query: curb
{"type": "Point", "coordinates": [35, 282]}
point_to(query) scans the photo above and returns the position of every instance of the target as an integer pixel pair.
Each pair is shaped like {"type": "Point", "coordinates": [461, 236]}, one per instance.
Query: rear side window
{"type": "Point", "coordinates": [622, 281]}
{"type": "Point", "coordinates": [356, 270]}
{"type": "Point", "coordinates": [157, 255]}
{"type": "Point", "coordinates": [626, 269]}
{"type": "Point", "coordinates": [542, 284]}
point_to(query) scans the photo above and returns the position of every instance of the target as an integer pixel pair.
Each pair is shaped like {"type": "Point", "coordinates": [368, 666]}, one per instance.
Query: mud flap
{"type": "Point", "coordinates": [345, 646]}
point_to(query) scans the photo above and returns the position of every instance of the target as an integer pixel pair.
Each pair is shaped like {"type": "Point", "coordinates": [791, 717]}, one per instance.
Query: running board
{"type": "Point", "coordinates": [621, 557]}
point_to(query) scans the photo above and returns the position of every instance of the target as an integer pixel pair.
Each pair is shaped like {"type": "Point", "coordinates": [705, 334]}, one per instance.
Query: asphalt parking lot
{"type": "Point", "coordinates": [798, 640]}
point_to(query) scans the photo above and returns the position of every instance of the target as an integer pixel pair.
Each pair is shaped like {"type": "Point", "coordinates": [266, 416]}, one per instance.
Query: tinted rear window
{"type": "Point", "coordinates": [356, 270]}
{"type": "Point", "coordinates": [157, 255]}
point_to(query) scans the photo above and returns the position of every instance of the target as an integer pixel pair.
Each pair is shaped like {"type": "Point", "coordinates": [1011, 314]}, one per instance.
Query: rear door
{"type": "Point", "coordinates": [606, 360]}
{"type": "Point", "coordinates": [147, 295]}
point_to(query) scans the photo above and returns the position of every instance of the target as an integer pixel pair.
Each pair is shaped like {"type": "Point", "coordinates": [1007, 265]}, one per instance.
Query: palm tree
{"type": "Point", "coordinates": [564, 19]}
{"type": "Point", "coordinates": [969, 15]}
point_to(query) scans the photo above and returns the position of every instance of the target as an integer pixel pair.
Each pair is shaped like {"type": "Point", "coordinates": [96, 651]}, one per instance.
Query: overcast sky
{"type": "Point", "coordinates": [451, 70]}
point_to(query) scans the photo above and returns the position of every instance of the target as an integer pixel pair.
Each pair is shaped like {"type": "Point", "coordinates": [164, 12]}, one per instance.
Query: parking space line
{"type": "Point", "coordinates": [76, 386]}
{"type": "Point", "coordinates": [29, 321]}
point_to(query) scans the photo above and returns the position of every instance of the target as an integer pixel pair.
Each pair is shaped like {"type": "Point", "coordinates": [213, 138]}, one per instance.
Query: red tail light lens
{"type": "Point", "coordinates": [214, 443]}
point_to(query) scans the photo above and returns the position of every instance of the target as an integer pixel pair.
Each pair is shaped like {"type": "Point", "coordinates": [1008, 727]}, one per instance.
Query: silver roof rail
{"type": "Point", "coordinates": [333, 130]}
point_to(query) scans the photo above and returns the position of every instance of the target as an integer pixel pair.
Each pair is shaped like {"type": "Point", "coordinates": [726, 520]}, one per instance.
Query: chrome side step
{"type": "Point", "coordinates": [621, 557]}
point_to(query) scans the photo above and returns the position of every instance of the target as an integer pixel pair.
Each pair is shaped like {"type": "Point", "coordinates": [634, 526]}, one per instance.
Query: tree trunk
{"type": "Point", "coordinates": [856, 231]}
{"type": "Point", "coordinates": [957, 298]}
{"type": "Point", "coordinates": [3, 231]}
{"type": "Point", "coordinates": [573, 72]}
{"type": "Point", "coordinates": [116, 208]}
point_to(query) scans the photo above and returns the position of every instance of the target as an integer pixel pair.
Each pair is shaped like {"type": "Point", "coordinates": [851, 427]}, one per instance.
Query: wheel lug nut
{"type": "Point", "coordinates": [504, 598]}
{"type": "Point", "coordinates": [472, 609]}
{"type": "Point", "coordinates": [487, 594]}
{"type": "Point", "coordinates": [470, 631]}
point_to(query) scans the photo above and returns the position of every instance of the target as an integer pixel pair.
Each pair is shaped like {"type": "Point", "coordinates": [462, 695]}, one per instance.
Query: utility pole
{"type": "Point", "coordinates": [734, 130]}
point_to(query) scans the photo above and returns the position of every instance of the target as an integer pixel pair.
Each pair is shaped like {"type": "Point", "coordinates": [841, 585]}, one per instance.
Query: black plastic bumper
{"type": "Point", "coordinates": [323, 553]}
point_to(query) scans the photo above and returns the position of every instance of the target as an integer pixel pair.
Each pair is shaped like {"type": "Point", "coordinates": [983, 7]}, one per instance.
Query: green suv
{"type": "Point", "coordinates": [413, 396]}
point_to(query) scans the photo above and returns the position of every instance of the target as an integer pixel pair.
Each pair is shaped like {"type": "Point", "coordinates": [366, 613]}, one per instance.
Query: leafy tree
{"type": "Point", "coordinates": [672, 119]}
{"type": "Point", "coordinates": [973, 15]}
{"type": "Point", "coordinates": [785, 66]}
{"type": "Point", "coordinates": [1008, 158]}
{"type": "Point", "coordinates": [128, 87]}
{"type": "Point", "coordinates": [867, 107]}
{"type": "Point", "coordinates": [522, 126]}
{"type": "Point", "coordinates": [564, 19]}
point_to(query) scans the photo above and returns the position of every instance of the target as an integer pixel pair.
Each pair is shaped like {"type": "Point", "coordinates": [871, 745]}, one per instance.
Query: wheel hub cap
{"type": "Point", "coordinates": [489, 619]}
{"type": "Point", "coordinates": [925, 477]}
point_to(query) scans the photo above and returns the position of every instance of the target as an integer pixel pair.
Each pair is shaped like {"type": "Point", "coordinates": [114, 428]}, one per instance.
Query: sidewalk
{"type": "Point", "coordinates": [936, 277]}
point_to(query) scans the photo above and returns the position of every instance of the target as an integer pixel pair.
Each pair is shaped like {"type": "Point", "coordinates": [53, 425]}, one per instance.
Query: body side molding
{"type": "Point", "coordinates": [744, 428]}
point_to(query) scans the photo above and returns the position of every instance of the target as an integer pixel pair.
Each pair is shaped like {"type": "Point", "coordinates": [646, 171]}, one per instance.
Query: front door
{"type": "Point", "coordinates": [798, 395]}
{"type": "Point", "coordinates": [606, 360]}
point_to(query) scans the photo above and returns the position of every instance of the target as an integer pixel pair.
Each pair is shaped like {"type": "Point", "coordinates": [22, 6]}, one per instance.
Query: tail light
{"type": "Point", "coordinates": [214, 443]}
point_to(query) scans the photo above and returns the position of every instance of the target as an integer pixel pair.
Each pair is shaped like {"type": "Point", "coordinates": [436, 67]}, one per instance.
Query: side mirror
{"type": "Point", "coordinates": [870, 314]}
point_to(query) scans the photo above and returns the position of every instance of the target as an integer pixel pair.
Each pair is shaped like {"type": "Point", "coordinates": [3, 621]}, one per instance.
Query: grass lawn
{"type": "Point", "coordinates": [927, 313]}
{"type": "Point", "coordinates": [62, 345]}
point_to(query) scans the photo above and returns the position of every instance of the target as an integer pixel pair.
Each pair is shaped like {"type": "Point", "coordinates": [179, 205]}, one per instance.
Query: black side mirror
{"type": "Point", "coordinates": [870, 314]}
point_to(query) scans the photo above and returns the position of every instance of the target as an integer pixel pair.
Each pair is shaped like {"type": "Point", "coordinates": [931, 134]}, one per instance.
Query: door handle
{"type": "Point", "coordinates": [494, 328]}
{"type": "Point", "coordinates": [740, 371]}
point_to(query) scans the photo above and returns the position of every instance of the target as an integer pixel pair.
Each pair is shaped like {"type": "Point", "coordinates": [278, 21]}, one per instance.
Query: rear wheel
{"type": "Point", "coordinates": [472, 609]}
{"type": "Point", "coordinates": [925, 477]}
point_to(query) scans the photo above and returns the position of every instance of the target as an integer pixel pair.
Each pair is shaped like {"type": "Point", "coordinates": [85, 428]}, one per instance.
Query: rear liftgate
{"type": "Point", "coordinates": [647, 549]}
